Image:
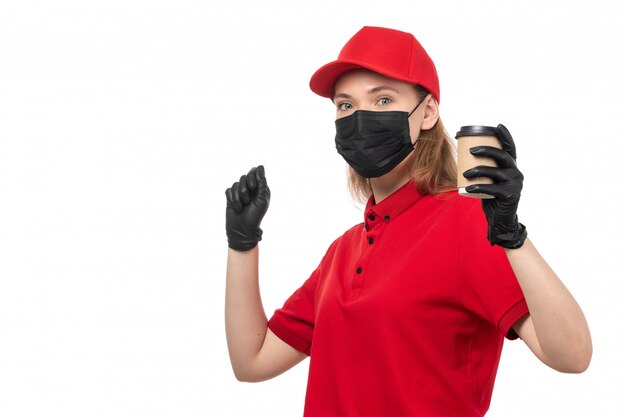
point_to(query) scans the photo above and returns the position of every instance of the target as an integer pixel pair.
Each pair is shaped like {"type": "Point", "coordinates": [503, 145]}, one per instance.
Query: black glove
{"type": "Point", "coordinates": [247, 202]}
{"type": "Point", "coordinates": [501, 211]}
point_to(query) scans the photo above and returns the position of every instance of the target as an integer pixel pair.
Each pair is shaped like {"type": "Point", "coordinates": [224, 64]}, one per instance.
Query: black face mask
{"type": "Point", "coordinates": [374, 142]}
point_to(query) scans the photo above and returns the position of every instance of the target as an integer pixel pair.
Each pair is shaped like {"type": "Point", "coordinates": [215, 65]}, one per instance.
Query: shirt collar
{"type": "Point", "coordinates": [389, 208]}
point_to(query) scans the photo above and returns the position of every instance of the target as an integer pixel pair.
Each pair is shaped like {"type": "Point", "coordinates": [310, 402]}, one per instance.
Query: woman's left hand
{"type": "Point", "coordinates": [501, 211]}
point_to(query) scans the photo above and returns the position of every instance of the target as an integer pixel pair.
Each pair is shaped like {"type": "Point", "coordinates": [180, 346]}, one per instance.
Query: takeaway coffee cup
{"type": "Point", "coordinates": [468, 137]}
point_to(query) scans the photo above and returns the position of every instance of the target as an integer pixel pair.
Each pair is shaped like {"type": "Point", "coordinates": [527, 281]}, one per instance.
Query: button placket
{"type": "Point", "coordinates": [373, 227]}
{"type": "Point", "coordinates": [359, 267]}
{"type": "Point", "coordinates": [372, 221]}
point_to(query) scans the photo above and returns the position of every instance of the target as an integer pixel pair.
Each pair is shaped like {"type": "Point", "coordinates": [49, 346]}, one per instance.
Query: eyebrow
{"type": "Point", "coordinates": [371, 91]}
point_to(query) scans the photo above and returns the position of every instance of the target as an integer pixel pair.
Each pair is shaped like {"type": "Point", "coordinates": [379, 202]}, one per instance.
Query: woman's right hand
{"type": "Point", "coordinates": [247, 202]}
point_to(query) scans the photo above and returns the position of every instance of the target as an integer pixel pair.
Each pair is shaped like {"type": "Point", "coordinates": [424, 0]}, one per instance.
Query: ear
{"type": "Point", "coordinates": [431, 113]}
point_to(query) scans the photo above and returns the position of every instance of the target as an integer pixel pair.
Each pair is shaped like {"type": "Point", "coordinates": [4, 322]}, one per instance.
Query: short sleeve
{"type": "Point", "coordinates": [489, 286]}
{"type": "Point", "coordinates": [295, 320]}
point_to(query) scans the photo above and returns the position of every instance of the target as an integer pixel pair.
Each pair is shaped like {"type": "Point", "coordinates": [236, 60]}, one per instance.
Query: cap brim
{"type": "Point", "coordinates": [323, 80]}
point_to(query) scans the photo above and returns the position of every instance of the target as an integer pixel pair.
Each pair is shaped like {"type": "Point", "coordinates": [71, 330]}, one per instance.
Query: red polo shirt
{"type": "Point", "coordinates": [406, 313]}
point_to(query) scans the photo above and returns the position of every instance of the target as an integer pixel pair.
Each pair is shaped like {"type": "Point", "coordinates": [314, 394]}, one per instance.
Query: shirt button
{"type": "Point", "coordinates": [359, 270]}
{"type": "Point", "coordinates": [371, 240]}
{"type": "Point", "coordinates": [387, 218]}
{"type": "Point", "coordinates": [372, 217]}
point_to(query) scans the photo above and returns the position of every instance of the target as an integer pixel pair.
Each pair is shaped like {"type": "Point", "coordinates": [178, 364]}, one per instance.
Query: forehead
{"type": "Point", "coordinates": [365, 79]}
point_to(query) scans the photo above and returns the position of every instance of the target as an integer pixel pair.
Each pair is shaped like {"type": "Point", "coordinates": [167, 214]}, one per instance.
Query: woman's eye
{"type": "Point", "coordinates": [344, 106]}
{"type": "Point", "coordinates": [384, 100]}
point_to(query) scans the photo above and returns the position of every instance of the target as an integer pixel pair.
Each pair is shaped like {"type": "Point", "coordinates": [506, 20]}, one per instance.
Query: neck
{"type": "Point", "coordinates": [383, 187]}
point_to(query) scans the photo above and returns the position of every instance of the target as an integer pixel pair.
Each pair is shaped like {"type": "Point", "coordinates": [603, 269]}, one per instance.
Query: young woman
{"type": "Point", "coordinates": [407, 312]}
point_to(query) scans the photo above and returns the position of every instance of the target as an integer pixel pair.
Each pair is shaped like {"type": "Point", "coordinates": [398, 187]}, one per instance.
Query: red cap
{"type": "Point", "coordinates": [389, 52]}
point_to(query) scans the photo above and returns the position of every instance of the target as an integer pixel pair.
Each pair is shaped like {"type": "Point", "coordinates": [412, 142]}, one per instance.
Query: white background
{"type": "Point", "coordinates": [123, 122]}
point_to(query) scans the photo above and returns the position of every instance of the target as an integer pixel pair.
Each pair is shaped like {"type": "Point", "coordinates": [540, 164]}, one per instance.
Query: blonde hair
{"type": "Point", "coordinates": [433, 163]}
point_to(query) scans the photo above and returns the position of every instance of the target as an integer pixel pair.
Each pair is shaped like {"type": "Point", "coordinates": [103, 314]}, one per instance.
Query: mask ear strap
{"type": "Point", "coordinates": [418, 104]}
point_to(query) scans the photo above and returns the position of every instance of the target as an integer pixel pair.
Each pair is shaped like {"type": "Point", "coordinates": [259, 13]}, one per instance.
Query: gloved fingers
{"type": "Point", "coordinates": [232, 199]}
{"type": "Point", "coordinates": [242, 190]}
{"type": "Point", "coordinates": [503, 158]}
{"type": "Point", "coordinates": [490, 189]}
{"type": "Point", "coordinates": [507, 140]}
{"type": "Point", "coordinates": [251, 179]}
{"type": "Point", "coordinates": [496, 174]}
{"type": "Point", "coordinates": [262, 187]}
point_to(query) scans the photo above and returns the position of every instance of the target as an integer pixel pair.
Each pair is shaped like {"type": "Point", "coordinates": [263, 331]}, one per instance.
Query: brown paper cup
{"type": "Point", "coordinates": [468, 137]}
